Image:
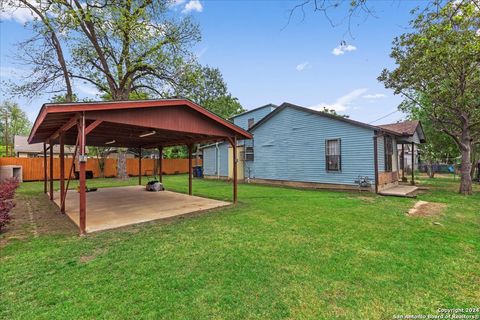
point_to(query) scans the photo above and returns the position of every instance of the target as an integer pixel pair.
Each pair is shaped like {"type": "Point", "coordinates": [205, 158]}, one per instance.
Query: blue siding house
{"type": "Point", "coordinates": [215, 156]}
{"type": "Point", "coordinates": [302, 147]}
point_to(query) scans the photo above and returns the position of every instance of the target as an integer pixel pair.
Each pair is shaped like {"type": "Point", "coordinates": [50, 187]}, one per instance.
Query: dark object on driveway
{"type": "Point", "coordinates": [154, 186]}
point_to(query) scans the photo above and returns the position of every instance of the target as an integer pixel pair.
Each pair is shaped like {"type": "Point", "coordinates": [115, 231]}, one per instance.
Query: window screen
{"type": "Point", "coordinates": [333, 155]}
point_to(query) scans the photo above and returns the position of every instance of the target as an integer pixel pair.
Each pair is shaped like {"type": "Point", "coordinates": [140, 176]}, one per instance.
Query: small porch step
{"type": "Point", "coordinates": [400, 191]}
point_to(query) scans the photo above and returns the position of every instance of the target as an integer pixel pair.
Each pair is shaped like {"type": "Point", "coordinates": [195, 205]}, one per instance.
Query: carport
{"type": "Point", "coordinates": [142, 124]}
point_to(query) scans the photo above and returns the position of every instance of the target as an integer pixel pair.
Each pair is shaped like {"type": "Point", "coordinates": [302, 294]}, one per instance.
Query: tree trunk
{"type": "Point", "coordinates": [431, 172]}
{"type": "Point", "coordinates": [122, 165]}
{"type": "Point", "coordinates": [475, 160]}
{"type": "Point", "coordinates": [466, 167]}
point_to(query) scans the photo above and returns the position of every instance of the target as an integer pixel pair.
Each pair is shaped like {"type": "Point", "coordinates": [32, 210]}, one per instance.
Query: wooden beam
{"type": "Point", "coordinates": [51, 172]}
{"type": "Point", "coordinates": [160, 162]}
{"type": "Point", "coordinates": [92, 126]}
{"type": "Point", "coordinates": [235, 176]}
{"type": "Point", "coordinates": [44, 167]}
{"type": "Point", "coordinates": [190, 169]}
{"type": "Point", "coordinates": [62, 173]}
{"type": "Point", "coordinates": [70, 172]}
{"type": "Point", "coordinates": [82, 163]}
{"type": "Point", "coordinates": [139, 166]}
{"type": "Point", "coordinates": [69, 124]}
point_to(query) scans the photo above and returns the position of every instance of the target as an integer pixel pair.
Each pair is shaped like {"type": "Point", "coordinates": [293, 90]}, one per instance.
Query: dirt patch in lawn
{"type": "Point", "coordinates": [424, 208]}
{"type": "Point", "coordinates": [35, 216]}
{"type": "Point", "coordinates": [90, 257]}
{"type": "Point", "coordinates": [367, 199]}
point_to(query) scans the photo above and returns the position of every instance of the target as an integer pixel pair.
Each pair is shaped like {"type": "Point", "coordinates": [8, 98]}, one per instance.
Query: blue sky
{"type": "Point", "coordinates": [264, 60]}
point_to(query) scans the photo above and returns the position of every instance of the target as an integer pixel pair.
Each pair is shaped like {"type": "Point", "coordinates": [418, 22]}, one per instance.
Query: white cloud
{"type": "Point", "coordinates": [193, 5]}
{"type": "Point", "coordinates": [302, 66]}
{"type": "Point", "coordinates": [341, 49]}
{"type": "Point", "coordinates": [374, 96]}
{"type": "Point", "coordinates": [342, 103]}
{"type": "Point", "coordinates": [20, 15]}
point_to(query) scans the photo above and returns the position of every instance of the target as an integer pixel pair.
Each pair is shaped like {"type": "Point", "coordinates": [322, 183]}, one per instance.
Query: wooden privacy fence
{"type": "Point", "coordinates": [33, 167]}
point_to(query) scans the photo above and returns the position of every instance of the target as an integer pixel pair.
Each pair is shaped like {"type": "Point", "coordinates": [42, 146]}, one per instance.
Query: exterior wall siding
{"type": "Point", "coordinates": [291, 146]}
{"type": "Point", "coordinates": [210, 158]}
{"type": "Point", "coordinates": [257, 115]}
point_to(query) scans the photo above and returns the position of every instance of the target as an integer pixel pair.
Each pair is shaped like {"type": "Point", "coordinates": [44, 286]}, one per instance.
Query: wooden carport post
{"type": "Point", "coordinates": [190, 147]}
{"type": "Point", "coordinates": [51, 171]}
{"type": "Point", "coordinates": [44, 167]}
{"type": "Point", "coordinates": [160, 157]}
{"type": "Point", "coordinates": [82, 159]}
{"type": "Point", "coordinates": [413, 164]}
{"type": "Point", "coordinates": [62, 173]}
{"type": "Point", "coordinates": [139, 166]}
{"type": "Point", "coordinates": [403, 161]}
{"type": "Point", "coordinates": [233, 143]}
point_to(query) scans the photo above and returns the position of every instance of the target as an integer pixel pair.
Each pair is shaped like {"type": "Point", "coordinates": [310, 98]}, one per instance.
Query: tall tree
{"type": "Point", "coordinates": [205, 86]}
{"type": "Point", "coordinates": [128, 46]}
{"type": "Point", "coordinates": [441, 61]}
{"type": "Point", "coordinates": [14, 122]}
{"type": "Point", "coordinates": [439, 147]}
{"type": "Point", "coordinates": [44, 50]}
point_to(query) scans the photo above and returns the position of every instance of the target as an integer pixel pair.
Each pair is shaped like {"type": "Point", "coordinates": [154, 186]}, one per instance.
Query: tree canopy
{"type": "Point", "coordinates": [440, 60]}
{"type": "Point", "coordinates": [13, 121]}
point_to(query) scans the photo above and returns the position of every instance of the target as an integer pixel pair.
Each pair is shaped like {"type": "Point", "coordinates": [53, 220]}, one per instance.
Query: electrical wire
{"type": "Point", "coordinates": [384, 116]}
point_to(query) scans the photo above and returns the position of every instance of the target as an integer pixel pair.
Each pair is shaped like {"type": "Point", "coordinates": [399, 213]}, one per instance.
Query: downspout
{"type": "Point", "coordinates": [375, 160]}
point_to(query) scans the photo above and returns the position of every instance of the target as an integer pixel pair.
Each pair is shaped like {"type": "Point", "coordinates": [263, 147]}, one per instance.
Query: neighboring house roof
{"type": "Point", "coordinates": [21, 145]}
{"type": "Point", "coordinates": [270, 105]}
{"type": "Point", "coordinates": [406, 128]}
{"type": "Point", "coordinates": [320, 113]}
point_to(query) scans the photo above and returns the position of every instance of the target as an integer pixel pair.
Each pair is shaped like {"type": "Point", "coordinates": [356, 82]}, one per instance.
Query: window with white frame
{"type": "Point", "coordinates": [333, 155]}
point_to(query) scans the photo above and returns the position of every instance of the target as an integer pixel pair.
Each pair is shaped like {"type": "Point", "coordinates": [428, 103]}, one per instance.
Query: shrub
{"type": "Point", "coordinates": [7, 192]}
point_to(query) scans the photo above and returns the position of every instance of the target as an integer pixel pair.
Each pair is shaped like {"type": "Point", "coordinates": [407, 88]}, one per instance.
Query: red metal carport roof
{"type": "Point", "coordinates": [174, 121]}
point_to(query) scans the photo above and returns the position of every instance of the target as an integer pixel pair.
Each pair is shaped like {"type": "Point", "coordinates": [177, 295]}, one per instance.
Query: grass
{"type": "Point", "coordinates": [281, 253]}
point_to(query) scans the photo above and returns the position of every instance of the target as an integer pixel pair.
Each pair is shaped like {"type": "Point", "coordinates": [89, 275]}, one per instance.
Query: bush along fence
{"type": "Point", "coordinates": [33, 167]}
{"type": "Point", "coordinates": [7, 192]}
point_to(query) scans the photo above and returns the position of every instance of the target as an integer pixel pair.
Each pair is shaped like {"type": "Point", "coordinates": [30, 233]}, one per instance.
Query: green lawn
{"type": "Point", "coordinates": [281, 253]}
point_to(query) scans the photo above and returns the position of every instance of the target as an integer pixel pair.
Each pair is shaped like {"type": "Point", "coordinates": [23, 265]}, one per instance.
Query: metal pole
{"type": "Point", "coordinates": [82, 162]}
{"type": "Point", "coordinates": [62, 172]}
{"type": "Point", "coordinates": [139, 166]}
{"type": "Point", "coordinates": [403, 162]}
{"type": "Point", "coordinates": [51, 171]}
{"type": "Point", "coordinates": [44, 167]}
{"type": "Point", "coordinates": [190, 169]}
